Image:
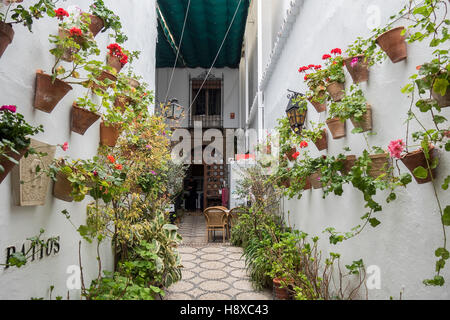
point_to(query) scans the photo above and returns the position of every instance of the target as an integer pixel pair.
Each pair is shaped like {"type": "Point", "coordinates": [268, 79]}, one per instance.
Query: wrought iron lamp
{"type": "Point", "coordinates": [296, 111]}
{"type": "Point", "coordinates": [173, 110]}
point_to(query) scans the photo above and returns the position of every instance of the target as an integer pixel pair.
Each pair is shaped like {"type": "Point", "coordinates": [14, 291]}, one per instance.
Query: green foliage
{"type": "Point", "coordinates": [353, 105]}
{"type": "Point", "coordinates": [110, 20]}
{"type": "Point", "coordinates": [27, 16]}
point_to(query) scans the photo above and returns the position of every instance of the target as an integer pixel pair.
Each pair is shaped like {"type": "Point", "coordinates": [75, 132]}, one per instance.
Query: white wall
{"type": "Point", "coordinates": [403, 245]}
{"type": "Point", "coordinates": [28, 52]}
{"type": "Point", "coordinates": [179, 89]}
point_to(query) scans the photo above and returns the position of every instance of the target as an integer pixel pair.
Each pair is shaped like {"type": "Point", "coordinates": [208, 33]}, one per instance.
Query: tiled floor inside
{"type": "Point", "coordinates": [212, 271]}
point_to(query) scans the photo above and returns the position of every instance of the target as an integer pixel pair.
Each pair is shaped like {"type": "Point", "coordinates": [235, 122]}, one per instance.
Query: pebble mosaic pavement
{"type": "Point", "coordinates": [212, 271]}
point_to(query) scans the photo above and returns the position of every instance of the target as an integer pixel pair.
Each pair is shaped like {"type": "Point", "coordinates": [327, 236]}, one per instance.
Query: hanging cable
{"type": "Point", "coordinates": [178, 51]}
{"type": "Point", "coordinates": [217, 55]}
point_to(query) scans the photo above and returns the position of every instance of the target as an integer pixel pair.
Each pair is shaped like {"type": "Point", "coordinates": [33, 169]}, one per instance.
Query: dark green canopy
{"type": "Point", "coordinates": [206, 26]}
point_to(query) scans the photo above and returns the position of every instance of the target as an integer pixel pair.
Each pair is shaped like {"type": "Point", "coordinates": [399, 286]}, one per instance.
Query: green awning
{"type": "Point", "coordinates": [206, 26]}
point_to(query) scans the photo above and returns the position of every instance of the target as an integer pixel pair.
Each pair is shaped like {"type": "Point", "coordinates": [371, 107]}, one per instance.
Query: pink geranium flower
{"type": "Point", "coordinates": [10, 108]}
{"type": "Point", "coordinates": [395, 148]}
{"type": "Point", "coordinates": [65, 146]}
{"type": "Point", "coordinates": [354, 62]}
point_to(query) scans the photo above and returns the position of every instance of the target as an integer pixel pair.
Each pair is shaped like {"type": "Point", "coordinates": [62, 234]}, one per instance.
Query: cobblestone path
{"type": "Point", "coordinates": [212, 271]}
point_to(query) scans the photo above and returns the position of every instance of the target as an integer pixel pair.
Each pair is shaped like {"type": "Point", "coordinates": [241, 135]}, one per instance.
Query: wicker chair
{"type": "Point", "coordinates": [216, 219]}
{"type": "Point", "coordinates": [233, 216]}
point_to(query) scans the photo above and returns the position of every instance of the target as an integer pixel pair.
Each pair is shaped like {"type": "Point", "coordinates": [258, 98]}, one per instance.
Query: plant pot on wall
{"type": "Point", "coordinates": [442, 101]}
{"type": "Point", "coordinates": [9, 165]}
{"type": "Point", "coordinates": [114, 63]}
{"type": "Point", "coordinates": [69, 52]}
{"type": "Point", "coordinates": [360, 70]}
{"type": "Point", "coordinates": [393, 43]}
{"type": "Point", "coordinates": [379, 165]}
{"type": "Point", "coordinates": [121, 102]}
{"type": "Point", "coordinates": [48, 93]}
{"type": "Point", "coordinates": [290, 154]}
{"type": "Point", "coordinates": [82, 119]}
{"type": "Point", "coordinates": [414, 159]}
{"type": "Point", "coordinates": [103, 76]}
{"type": "Point", "coordinates": [322, 143]}
{"type": "Point", "coordinates": [109, 133]}
{"type": "Point", "coordinates": [96, 24]}
{"type": "Point", "coordinates": [6, 36]}
{"type": "Point", "coordinates": [314, 180]}
{"type": "Point", "coordinates": [62, 188]}
{"type": "Point", "coordinates": [337, 128]}
{"type": "Point", "coordinates": [348, 164]}
{"type": "Point", "coordinates": [320, 107]}
{"type": "Point", "coordinates": [336, 90]}
{"type": "Point", "coordinates": [366, 122]}
{"type": "Point", "coordinates": [307, 184]}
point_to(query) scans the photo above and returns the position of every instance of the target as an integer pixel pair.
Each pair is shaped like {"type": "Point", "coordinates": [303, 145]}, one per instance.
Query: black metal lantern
{"type": "Point", "coordinates": [173, 110]}
{"type": "Point", "coordinates": [296, 111]}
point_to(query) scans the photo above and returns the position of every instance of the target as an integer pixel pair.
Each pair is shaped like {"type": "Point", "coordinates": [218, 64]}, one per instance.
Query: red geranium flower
{"type": "Point", "coordinates": [306, 77]}
{"type": "Point", "coordinates": [326, 56]}
{"type": "Point", "coordinates": [303, 144]}
{"type": "Point", "coordinates": [61, 13]}
{"type": "Point", "coordinates": [318, 67]}
{"type": "Point", "coordinates": [75, 32]}
{"type": "Point", "coordinates": [311, 66]}
{"type": "Point", "coordinates": [111, 159]}
{"type": "Point", "coordinates": [124, 60]}
{"type": "Point", "coordinates": [119, 166]}
{"type": "Point", "coordinates": [336, 51]}
{"type": "Point", "coordinates": [295, 155]}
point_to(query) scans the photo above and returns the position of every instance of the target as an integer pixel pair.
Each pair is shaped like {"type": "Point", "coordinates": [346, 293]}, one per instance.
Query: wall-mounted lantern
{"type": "Point", "coordinates": [173, 110]}
{"type": "Point", "coordinates": [296, 111]}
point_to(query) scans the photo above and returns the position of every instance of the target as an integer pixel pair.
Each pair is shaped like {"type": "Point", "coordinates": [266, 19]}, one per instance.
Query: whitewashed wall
{"type": "Point", "coordinates": [179, 89]}
{"type": "Point", "coordinates": [403, 245]}
{"type": "Point", "coordinates": [28, 52]}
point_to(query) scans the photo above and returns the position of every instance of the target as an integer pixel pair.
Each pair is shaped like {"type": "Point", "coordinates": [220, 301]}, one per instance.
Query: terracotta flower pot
{"type": "Point", "coordinates": [286, 182]}
{"type": "Point", "coordinates": [307, 184]}
{"type": "Point", "coordinates": [96, 24]}
{"type": "Point", "coordinates": [62, 188]}
{"type": "Point", "coordinates": [336, 90]}
{"type": "Point", "coordinates": [104, 75]}
{"type": "Point", "coordinates": [366, 123]}
{"type": "Point", "coordinates": [6, 36]}
{"type": "Point", "coordinates": [133, 83]}
{"type": "Point", "coordinates": [443, 101]}
{"type": "Point", "coordinates": [337, 128]}
{"type": "Point", "coordinates": [109, 134]}
{"type": "Point", "coordinates": [322, 143]}
{"type": "Point", "coordinates": [49, 93]}
{"type": "Point", "coordinates": [8, 165]}
{"type": "Point", "coordinates": [320, 107]}
{"type": "Point", "coordinates": [69, 52]}
{"type": "Point", "coordinates": [114, 63]}
{"type": "Point", "coordinates": [360, 71]}
{"type": "Point", "coordinates": [314, 180]}
{"type": "Point", "coordinates": [380, 162]}
{"type": "Point", "coordinates": [348, 164]}
{"type": "Point", "coordinates": [121, 102]}
{"type": "Point", "coordinates": [290, 154]}
{"type": "Point", "coordinates": [414, 159]}
{"type": "Point", "coordinates": [394, 44]}
{"type": "Point", "coordinates": [82, 119]}
{"type": "Point", "coordinates": [281, 293]}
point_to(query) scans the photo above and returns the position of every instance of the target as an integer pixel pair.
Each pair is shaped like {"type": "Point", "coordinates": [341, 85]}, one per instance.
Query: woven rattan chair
{"type": "Point", "coordinates": [216, 219]}
{"type": "Point", "coordinates": [233, 216]}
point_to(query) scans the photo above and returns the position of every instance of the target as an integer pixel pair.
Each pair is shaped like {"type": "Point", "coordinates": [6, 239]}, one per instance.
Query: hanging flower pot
{"type": "Point", "coordinates": [69, 52]}
{"type": "Point", "coordinates": [121, 102]}
{"type": "Point", "coordinates": [366, 122]}
{"type": "Point", "coordinates": [336, 90]}
{"type": "Point", "coordinates": [314, 180]}
{"type": "Point", "coordinates": [104, 75]}
{"type": "Point", "coordinates": [414, 159]}
{"type": "Point", "coordinates": [290, 154]}
{"type": "Point", "coordinates": [358, 68]}
{"type": "Point", "coordinates": [281, 293]}
{"type": "Point", "coordinates": [133, 83]}
{"type": "Point", "coordinates": [320, 107]}
{"type": "Point", "coordinates": [307, 184]}
{"type": "Point", "coordinates": [62, 188]}
{"type": "Point", "coordinates": [337, 128]}
{"type": "Point", "coordinates": [48, 93]}
{"type": "Point", "coordinates": [443, 101]}
{"type": "Point", "coordinates": [6, 36]}
{"type": "Point", "coordinates": [96, 24]}
{"type": "Point", "coordinates": [286, 182]}
{"type": "Point", "coordinates": [82, 119]}
{"type": "Point", "coordinates": [322, 143]}
{"type": "Point", "coordinates": [109, 133]}
{"type": "Point", "coordinates": [114, 62]}
{"type": "Point", "coordinates": [393, 43]}
{"type": "Point", "coordinates": [380, 163]}
{"type": "Point", "coordinates": [348, 164]}
{"type": "Point", "coordinates": [9, 165]}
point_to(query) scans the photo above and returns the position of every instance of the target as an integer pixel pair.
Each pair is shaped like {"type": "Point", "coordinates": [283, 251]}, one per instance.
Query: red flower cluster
{"type": "Point", "coordinates": [336, 51]}
{"type": "Point", "coordinates": [76, 32]}
{"type": "Point", "coordinates": [326, 56]}
{"type": "Point", "coordinates": [111, 159]}
{"type": "Point", "coordinates": [295, 155]}
{"type": "Point", "coordinates": [116, 51]}
{"type": "Point", "coordinates": [61, 13]}
{"type": "Point", "coordinates": [303, 144]}
{"type": "Point", "coordinates": [311, 66]}
{"type": "Point", "coordinates": [9, 108]}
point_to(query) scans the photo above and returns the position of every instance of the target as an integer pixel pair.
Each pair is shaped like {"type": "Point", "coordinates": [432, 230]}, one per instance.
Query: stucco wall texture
{"type": "Point", "coordinates": [403, 245]}
{"type": "Point", "coordinates": [27, 53]}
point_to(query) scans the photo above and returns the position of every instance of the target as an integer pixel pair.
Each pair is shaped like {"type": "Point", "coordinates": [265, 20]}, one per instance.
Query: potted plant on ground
{"type": "Point", "coordinates": [84, 114]}
{"type": "Point", "coordinates": [335, 74]}
{"type": "Point", "coordinates": [14, 138]}
{"type": "Point", "coordinates": [336, 121]}
{"type": "Point", "coordinates": [17, 14]}
{"type": "Point", "coordinates": [315, 80]}
{"type": "Point", "coordinates": [317, 134]}
{"type": "Point", "coordinates": [355, 107]}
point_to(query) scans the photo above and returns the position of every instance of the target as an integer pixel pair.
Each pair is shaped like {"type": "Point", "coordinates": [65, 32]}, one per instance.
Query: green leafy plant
{"type": "Point", "coordinates": [110, 20]}
{"type": "Point", "coordinates": [18, 14]}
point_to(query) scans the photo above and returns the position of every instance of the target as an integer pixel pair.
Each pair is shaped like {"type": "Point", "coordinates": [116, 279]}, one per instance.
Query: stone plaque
{"type": "Point", "coordinates": [33, 191]}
